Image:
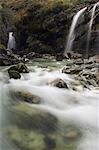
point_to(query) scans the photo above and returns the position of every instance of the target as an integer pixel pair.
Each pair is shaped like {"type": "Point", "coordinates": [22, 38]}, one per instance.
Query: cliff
{"type": "Point", "coordinates": [43, 25]}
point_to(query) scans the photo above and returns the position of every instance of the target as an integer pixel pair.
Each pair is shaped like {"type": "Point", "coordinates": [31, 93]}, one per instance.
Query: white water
{"type": "Point", "coordinates": [90, 27]}
{"type": "Point", "coordinates": [11, 42]}
{"type": "Point", "coordinates": [71, 36]}
{"type": "Point", "coordinates": [77, 108]}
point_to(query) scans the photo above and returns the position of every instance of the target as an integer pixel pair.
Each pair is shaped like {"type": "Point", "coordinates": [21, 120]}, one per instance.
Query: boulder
{"type": "Point", "coordinates": [60, 57]}
{"type": "Point", "coordinates": [29, 126]}
{"type": "Point", "coordinates": [15, 70]}
{"type": "Point", "coordinates": [78, 62]}
{"type": "Point", "coordinates": [14, 74]}
{"type": "Point", "coordinates": [21, 68]}
{"type": "Point", "coordinates": [26, 97]}
{"type": "Point", "coordinates": [59, 83]}
{"type": "Point", "coordinates": [72, 134]}
{"type": "Point", "coordinates": [72, 70]}
{"type": "Point", "coordinates": [26, 117]}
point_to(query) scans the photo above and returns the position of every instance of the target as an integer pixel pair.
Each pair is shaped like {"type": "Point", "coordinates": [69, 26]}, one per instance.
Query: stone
{"type": "Point", "coordinates": [22, 68]}
{"type": "Point", "coordinates": [60, 57]}
{"type": "Point", "coordinates": [19, 68]}
{"type": "Point", "coordinates": [72, 70]}
{"type": "Point", "coordinates": [7, 57]}
{"type": "Point", "coordinates": [72, 135]}
{"type": "Point", "coordinates": [78, 62]}
{"type": "Point", "coordinates": [33, 118]}
{"type": "Point", "coordinates": [59, 83]}
{"type": "Point", "coordinates": [14, 74]}
{"type": "Point", "coordinates": [26, 97]}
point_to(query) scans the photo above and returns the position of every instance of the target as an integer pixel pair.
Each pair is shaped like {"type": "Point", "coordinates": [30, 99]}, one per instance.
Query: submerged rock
{"type": "Point", "coordinates": [59, 83]}
{"type": "Point", "coordinates": [26, 139]}
{"type": "Point", "coordinates": [72, 134]}
{"type": "Point", "coordinates": [28, 117]}
{"type": "Point", "coordinates": [26, 97]}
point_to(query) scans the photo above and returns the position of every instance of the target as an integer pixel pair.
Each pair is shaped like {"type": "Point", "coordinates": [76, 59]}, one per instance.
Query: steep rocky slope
{"type": "Point", "coordinates": [43, 25]}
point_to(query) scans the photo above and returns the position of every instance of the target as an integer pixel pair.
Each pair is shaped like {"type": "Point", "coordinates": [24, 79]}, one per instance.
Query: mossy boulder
{"type": "Point", "coordinates": [14, 74]}
{"type": "Point", "coordinates": [21, 68]}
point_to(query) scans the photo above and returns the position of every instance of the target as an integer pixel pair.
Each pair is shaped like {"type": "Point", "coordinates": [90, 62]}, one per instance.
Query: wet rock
{"type": "Point", "coordinates": [14, 74]}
{"type": "Point", "coordinates": [72, 135]}
{"type": "Point", "coordinates": [21, 68]}
{"type": "Point", "coordinates": [77, 56]}
{"type": "Point", "coordinates": [78, 62]}
{"type": "Point", "coordinates": [75, 85]}
{"type": "Point", "coordinates": [28, 117]}
{"type": "Point", "coordinates": [26, 97]}
{"type": "Point", "coordinates": [59, 83]}
{"type": "Point", "coordinates": [60, 57]}
{"type": "Point", "coordinates": [7, 57]}
{"type": "Point", "coordinates": [71, 70]}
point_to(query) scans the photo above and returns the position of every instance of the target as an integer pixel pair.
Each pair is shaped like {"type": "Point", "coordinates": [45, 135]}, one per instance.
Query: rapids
{"type": "Point", "coordinates": [79, 109]}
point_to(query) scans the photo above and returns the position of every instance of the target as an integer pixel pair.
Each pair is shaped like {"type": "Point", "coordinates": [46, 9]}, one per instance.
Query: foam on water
{"type": "Point", "coordinates": [78, 108]}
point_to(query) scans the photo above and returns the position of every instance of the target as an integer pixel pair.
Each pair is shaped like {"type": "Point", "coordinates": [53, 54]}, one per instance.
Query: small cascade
{"type": "Point", "coordinates": [90, 28]}
{"type": "Point", "coordinates": [11, 42]}
{"type": "Point", "coordinates": [71, 36]}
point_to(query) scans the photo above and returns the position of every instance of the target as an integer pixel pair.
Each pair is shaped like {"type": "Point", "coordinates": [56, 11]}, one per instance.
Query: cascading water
{"type": "Point", "coordinates": [11, 42]}
{"type": "Point", "coordinates": [90, 28]}
{"type": "Point", "coordinates": [77, 113]}
{"type": "Point", "coordinates": [71, 36]}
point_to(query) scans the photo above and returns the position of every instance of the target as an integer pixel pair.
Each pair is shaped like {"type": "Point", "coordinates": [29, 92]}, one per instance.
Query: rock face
{"type": "Point", "coordinates": [6, 23]}
{"type": "Point", "coordinates": [43, 28]}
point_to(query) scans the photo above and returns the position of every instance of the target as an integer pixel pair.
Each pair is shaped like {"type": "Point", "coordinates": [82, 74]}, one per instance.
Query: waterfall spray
{"type": "Point", "coordinates": [71, 36]}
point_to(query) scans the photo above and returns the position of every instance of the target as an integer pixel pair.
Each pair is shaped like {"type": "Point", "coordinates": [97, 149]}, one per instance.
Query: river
{"type": "Point", "coordinates": [73, 123]}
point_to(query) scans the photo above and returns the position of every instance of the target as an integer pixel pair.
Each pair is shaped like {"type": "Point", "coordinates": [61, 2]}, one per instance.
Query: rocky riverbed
{"type": "Point", "coordinates": [52, 106]}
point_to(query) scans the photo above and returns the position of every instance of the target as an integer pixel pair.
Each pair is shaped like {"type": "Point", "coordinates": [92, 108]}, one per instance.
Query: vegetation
{"type": "Point", "coordinates": [41, 25]}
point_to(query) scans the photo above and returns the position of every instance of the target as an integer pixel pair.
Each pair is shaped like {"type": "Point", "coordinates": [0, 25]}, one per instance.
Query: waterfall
{"type": "Point", "coordinates": [90, 27]}
{"type": "Point", "coordinates": [11, 42]}
{"type": "Point", "coordinates": [71, 36]}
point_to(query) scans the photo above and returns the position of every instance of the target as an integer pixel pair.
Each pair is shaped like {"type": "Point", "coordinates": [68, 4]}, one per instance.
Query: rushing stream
{"type": "Point", "coordinates": [63, 120]}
